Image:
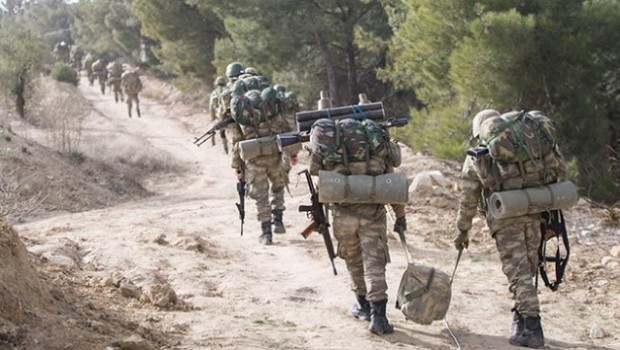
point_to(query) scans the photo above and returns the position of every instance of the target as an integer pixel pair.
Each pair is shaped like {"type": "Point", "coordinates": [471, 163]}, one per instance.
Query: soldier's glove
{"type": "Point", "coordinates": [462, 240]}
{"type": "Point", "coordinates": [400, 225]}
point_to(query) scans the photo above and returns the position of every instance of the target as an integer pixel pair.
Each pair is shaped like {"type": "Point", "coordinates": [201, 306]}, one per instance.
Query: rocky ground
{"type": "Point", "coordinates": [136, 245]}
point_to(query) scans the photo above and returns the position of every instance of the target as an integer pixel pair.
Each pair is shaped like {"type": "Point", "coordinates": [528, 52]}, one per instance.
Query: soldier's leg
{"type": "Point", "coordinates": [258, 183]}
{"type": "Point", "coordinates": [512, 245]}
{"type": "Point", "coordinates": [346, 232]}
{"type": "Point", "coordinates": [278, 184]}
{"type": "Point", "coordinates": [129, 99]}
{"type": "Point", "coordinates": [224, 140]}
{"type": "Point", "coordinates": [375, 253]}
{"type": "Point", "coordinates": [137, 105]}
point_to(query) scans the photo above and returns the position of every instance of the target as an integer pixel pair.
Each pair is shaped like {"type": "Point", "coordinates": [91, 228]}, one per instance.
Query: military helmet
{"type": "Point", "coordinates": [251, 70]}
{"type": "Point", "coordinates": [220, 81]}
{"type": "Point", "coordinates": [480, 118]}
{"type": "Point", "coordinates": [234, 70]}
{"type": "Point", "coordinates": [279, 88]}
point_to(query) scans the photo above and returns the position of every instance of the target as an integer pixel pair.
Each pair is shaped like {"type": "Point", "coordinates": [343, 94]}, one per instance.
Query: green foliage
{"type": "Point", "coordinates": [65, 73]}
{"type": "Point", "coordinates": [21, 60]}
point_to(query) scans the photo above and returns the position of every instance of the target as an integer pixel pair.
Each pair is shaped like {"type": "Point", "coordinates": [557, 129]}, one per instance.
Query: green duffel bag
{"type": "Point", "coordinates": [424, 294]}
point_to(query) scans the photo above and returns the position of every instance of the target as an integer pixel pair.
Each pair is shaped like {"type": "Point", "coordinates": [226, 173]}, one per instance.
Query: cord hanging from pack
{"type": "Point", "coordinates": [553, 221]}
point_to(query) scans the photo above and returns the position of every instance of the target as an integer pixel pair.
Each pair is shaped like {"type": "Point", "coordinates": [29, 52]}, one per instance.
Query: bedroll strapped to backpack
{"type": "Point", "coordinates": [346, 140]}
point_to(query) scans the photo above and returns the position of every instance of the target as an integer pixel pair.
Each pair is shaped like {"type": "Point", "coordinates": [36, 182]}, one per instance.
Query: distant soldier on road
{"type": "Point", "coordinates": [214, 105]}
{"type": "Point", "coordinates": [115, 70]}
{"type": "Point", "coordinates": [101, 72]}
{"type": "Point", "coordinates": [132, 85]}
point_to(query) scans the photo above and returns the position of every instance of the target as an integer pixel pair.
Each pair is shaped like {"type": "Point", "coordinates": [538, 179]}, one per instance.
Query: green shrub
{"type": "Point", "coordinates": [65, 73]}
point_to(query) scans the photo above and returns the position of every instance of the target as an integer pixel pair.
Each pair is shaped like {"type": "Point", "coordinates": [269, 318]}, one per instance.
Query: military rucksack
{"type": "Point", "coordinates": [131, 82]}
{"type": "Point", "coordinates": [253, 102]}
{"type": "Point", "coordinates": [522, 146]}
{"type": "Point", "coordinates": [346, 140]}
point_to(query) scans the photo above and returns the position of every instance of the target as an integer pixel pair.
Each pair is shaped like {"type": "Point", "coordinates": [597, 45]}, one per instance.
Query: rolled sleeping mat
{"type": "Point", "coordinates": [507, 204]}
{"type": "Point", "coordinates": [262, 146]}
{"type": "Point", "coordinates": [332, 112]}
{"type": "Point", "coordinates": [382, 189]}
{"type": "Point", "coordinates": [376, 115]}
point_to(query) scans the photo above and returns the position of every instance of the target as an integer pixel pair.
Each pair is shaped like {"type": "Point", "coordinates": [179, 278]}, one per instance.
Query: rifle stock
{"type": "Point", "coordinates": [241, 204]}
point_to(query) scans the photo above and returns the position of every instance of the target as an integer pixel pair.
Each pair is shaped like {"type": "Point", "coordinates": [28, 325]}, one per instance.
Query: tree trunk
{"type": "Point", "coordinates": [329, 67]}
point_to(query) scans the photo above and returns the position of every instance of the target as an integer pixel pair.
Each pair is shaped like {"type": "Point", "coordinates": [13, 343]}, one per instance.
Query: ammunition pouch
{"type": "Point", "coordinates": [382, 189]}
{"type": "Point", "coordinates": [532, 200]}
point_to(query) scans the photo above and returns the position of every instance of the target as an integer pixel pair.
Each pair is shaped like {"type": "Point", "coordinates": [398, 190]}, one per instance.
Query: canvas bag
{"type": "Point", "coordinates": [424, 292]}
{"type": "Point", "coordinates": [131, 82]}
{"type": "Point", "coordinates": [346, 140]}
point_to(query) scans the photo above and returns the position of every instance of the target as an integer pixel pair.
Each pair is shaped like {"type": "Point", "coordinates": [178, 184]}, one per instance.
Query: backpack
{"type": "Point", "coordinates": [250, 105]}
{"type": "Point", "coordinates": [346, 140]}
{"type": "Point", "coordinates": [131, 82]}
{"type": "Point", "coordinates": [522, 147]}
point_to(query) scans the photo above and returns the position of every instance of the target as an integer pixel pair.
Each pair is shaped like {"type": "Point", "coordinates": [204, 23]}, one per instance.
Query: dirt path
{"type": "Point", "coordinates": [236, 294]}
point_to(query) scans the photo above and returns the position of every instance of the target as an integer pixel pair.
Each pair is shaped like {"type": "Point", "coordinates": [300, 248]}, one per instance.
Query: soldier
{"type": "Point", "coordinates": [232, 131]}
{"type": "Point", "coordinates": [130, 80]}
{"type": "Point", "coordinates": [62, 52]}
{"type": "Point", "coordinates": [263, 174]}
{"type": "Point", "coordinates": [89, 59]}
{"type": "Point", "coordinates": [361, 228]}
{"type": "Point", "coordinates": [517, 238]}
{"type": "Point", "coordinates": [214, 100]}
{"type": "Point", "coordinates": [290, 106]}
{"type": "Point", "coordinates": [77, 54]}
{"type": "Point", "coordinates": [101, 72]}
{"type": "Point", "coordinates": [115, 69]}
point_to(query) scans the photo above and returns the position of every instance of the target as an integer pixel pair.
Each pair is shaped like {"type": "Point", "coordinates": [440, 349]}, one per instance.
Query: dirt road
{"type": "Point", "coordinates": [211, 288]}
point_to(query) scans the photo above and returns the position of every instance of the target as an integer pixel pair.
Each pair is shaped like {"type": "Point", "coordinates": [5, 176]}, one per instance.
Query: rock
{"type": "Point", "coordinates": [596, 332]}
{"type": "Point", "coordinates": [610, 262]}
{"type": "Point", "coordinates": [615, 251]}
{"type": "Point", "coordinates": [428, 183]}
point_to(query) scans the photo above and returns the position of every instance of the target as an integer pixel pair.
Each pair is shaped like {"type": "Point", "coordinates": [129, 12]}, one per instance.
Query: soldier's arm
{"type": "Point", "coordinates": [316, 164]}
{"type": "Point", "coordinates": [471, 190]}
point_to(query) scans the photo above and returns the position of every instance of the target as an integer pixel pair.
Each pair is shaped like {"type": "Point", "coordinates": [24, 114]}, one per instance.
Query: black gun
{"type": "Point", "coordinates": [291, 139]}
{"type": "Point", "coordinates": [241, 204]}
{"type": "Point", "coordinates": [211, 132]}
{"type": "Point", "coordinates": [319, 223]}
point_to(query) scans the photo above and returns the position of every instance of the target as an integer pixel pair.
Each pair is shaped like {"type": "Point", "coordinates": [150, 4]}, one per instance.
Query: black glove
{"type": "Point", "coordinates": [462, 240]}
{"type": "Point", "coordinates": [400, 225]}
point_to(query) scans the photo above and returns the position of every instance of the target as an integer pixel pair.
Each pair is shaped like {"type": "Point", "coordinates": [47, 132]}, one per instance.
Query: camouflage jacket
{"type": "Point", "coordinates": [214, 102]}
{"type": "Point", "coordinates": [478, 181]}
{"type": "Point", "coordinates": [275, 125]}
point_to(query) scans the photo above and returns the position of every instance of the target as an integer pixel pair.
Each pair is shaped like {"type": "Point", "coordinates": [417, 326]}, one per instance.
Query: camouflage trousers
{"type": "Point", "coordinates": [518, 251]}
{"type": "Point", "coordinates": [265, 179]}
{"type": "Point", "coordinates": [362, 243]}
{"type": "Point", "coordinates": [131, 97]}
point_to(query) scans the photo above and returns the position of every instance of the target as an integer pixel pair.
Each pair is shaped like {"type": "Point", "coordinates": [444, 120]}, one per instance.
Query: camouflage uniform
{"type": "Point", "coordinates": [132, 85]}
{"type": "Point", "coordinates": [291, 107]}
{"type": "Point", "coordinates": [115, 70]}
{"type": "Point", "coordinates": [101, 72]}
{"type": "Point", "coordinates": [88, 66]}
{"type": "Point", "coordinates": [517, 238]}
{"type": "Point", "coordinates": [264, 175]}
{"type": "Point", "coordinates": [214, 106]}
{"type": "Point", "coordinates": [361, 232]}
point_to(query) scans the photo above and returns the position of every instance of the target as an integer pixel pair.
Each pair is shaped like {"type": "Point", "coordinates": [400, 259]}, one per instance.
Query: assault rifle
{"type": "Point", "coordinates": [291, 139]}
{"type": "Point", "coordinates": [211, 132]}
{"type": "Point", "coordinates": [241, 205]}
{"type": "Point", "coordinates": [316, 212]}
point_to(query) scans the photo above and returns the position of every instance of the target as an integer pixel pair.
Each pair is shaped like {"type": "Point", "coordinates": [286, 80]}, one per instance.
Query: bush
{"type": "Point", "coordinates": [65, 73]}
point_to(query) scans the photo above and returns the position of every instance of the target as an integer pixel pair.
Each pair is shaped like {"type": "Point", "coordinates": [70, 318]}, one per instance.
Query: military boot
{"type": "Point", "coordinates": [265, 237]}
{"type": "Point", "coordinates": [278, 225]}
{"type": "Point", "coordinates": [518, 323]}
{"type": "Point", "coordinates": [532, 335]}
{"type": "Point", "coordinates": [379, 323]}
{"type": "Point", "coordinates": [361, 310]}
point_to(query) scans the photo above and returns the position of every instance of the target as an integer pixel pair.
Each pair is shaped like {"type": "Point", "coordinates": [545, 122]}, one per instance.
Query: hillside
{"type": "Point", "coordinates": [138, 247]}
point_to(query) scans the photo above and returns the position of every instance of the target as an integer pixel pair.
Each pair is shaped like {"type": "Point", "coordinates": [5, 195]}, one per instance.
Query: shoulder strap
{"type": "Point", "coordinates": [553, 220]}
